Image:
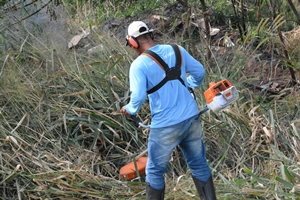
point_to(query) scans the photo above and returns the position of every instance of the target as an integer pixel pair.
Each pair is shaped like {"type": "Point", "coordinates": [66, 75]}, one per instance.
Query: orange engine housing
{"type": "Point", "coordinates": [216, 88]}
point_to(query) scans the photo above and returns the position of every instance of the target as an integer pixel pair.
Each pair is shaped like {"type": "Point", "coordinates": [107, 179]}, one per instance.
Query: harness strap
{"type": "Point", "coordinates": [157, 59]}
{"type": "Point", "coordinates": [178, 56]}
{"type": "Point", "coordinates": [164, 66]}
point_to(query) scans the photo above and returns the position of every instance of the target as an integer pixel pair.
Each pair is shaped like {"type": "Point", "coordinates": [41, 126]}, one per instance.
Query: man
{"type": "Point", "coordinates": [174, 111]}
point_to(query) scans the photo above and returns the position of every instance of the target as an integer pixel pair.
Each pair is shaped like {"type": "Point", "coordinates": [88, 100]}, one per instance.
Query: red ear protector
{"type": "Point", "coordinates": [133, 42]}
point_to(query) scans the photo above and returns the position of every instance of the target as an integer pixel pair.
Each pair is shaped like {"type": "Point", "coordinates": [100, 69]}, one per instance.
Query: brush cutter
{"type": "Point", "coordinates": [218, 97]}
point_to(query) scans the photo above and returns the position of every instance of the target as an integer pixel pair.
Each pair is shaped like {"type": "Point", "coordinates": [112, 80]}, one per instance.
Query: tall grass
{"type": "Point", "coordinates": [62, 136]}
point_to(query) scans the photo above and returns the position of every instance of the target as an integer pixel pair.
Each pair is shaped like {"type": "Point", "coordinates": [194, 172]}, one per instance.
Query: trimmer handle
{"type": "Point", "coordinates": [138, 122]}
{"type": "Point", "coordinates": [135, 120]}
{"type": "Point", "coordinates": [203, 110]}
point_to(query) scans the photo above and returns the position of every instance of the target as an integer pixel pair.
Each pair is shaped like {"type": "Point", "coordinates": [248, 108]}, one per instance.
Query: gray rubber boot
{"type": "Point", "coordinates": [152, 194]}
{"type": "Point", "coordinates": [206, 190]}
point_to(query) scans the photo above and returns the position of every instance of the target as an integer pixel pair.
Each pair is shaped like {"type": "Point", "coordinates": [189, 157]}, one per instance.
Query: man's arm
{"type": "Point", "coordinates": [138, 90]}
{"type": "Point", "coordinates": [194, 68]}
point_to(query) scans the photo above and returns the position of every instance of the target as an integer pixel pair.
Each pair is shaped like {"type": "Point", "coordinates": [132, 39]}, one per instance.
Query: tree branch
{"type": "Point", "coordinates": [294, 10]}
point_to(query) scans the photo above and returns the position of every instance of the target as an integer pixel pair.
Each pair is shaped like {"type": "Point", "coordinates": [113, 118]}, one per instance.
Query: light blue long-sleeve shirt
{"type": "Point", "coordinates": [172, 103]}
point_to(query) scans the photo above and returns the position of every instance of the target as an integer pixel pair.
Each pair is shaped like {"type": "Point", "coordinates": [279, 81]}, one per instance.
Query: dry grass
{"type": "Point", "coordinates": [292, 42]}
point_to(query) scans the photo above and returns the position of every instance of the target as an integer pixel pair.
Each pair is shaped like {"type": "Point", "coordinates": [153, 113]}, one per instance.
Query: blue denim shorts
{"type": "Point", "coordinates": [162, 141]}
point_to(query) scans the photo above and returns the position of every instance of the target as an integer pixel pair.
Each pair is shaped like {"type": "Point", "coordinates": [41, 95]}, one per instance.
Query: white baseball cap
{"type": "Point", "coordinates": [138, 28]}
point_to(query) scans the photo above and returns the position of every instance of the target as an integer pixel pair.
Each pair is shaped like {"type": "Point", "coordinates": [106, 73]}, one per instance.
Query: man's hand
{"type": "Point", "coordinates": [124, 112]}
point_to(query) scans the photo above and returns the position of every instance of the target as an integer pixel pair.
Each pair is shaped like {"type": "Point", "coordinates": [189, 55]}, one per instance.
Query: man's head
{"type": "Point", "coordinates": [137, 30]}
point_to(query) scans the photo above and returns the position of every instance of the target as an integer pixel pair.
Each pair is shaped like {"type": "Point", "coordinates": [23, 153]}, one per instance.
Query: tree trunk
{"type": "Point", "coordinates": [207, 29]}
{"type": "Point", "coordinates": [286, 54]}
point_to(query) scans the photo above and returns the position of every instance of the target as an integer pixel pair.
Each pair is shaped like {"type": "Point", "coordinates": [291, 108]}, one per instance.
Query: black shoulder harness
{"type": "Point", "coordinates": [171, 73]}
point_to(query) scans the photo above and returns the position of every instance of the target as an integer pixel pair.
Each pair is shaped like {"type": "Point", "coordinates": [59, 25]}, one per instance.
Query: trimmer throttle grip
{"type": "Point", "coordinates": [138, 122]}
{"type": "Point", "coordinates": [135, 120]}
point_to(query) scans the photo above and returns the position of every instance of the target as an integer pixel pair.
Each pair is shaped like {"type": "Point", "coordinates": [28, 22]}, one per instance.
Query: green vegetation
{"type": "Point", "coordinates": [61, 133]}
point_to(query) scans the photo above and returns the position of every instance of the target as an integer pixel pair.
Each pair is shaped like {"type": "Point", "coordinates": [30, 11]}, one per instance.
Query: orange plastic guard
{"type": "Point", "coordinates": [216, 88]}
{"type": "Point", "coordinates": [128, 172]}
